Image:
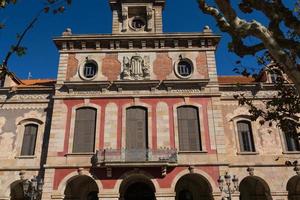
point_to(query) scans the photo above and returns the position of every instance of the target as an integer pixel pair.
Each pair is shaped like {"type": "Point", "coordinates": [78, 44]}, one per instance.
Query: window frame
{"type": "Point", "coordinates": [202, 127]}
{"type": "Point", "coordinates": [81, 69]}
{"type": "Point", "coordinates": [190, 62]}
{"type": "Point", "coordinates": [238, 137]}
{"type": "Point", "coordinates": [39, 137]}
{"type": "Point", "coordinates": [35, 139]}
{"type": "Point", "coordinates": [149, 120]}
{"type": "Point", "coordinates": [285, 144]}
{"type": "Point", "coordinates": [72, 128]}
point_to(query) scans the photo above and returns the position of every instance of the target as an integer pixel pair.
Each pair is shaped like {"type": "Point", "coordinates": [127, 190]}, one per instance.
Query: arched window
{"type": "Point", "coordinates": [29, 140]}
{"type": "Point", "coordinates": [136, 133]}
{"type": "Point", "coordinates": [85, 128]}
{"type": "Point", "coordinates": [292, 141]}
{"type": "Point", "coordinates": [245, 136]}
{"type": "Point", "coordinates": [188, 129]}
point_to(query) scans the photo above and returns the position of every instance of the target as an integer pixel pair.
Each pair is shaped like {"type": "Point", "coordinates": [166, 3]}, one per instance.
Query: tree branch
{"type": "Point", "coordinates": [237, 27]}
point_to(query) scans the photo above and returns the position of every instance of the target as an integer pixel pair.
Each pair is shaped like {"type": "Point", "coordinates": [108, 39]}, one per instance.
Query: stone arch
{"type": "Point", "coordinates": [199, 172]}
{"type": "Point", "coordinates": [193, 186]}
{"type": "Point", "coordinates": [136, 174]}
{"type": "Point", "coordinates": [71, 176]}
{"type": "Point", "coordinates": [254, 187]}
{"type": "Point", "coordinates": [16, 190]}
{"type": "Point", "coordinates": [293, 188]}
{"type": "Point", "coordinates": [138, 185]}
{"type": "Point", "coordinates": [81, 187]}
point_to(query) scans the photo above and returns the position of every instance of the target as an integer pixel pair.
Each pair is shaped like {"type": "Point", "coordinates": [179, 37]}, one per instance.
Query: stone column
{"type": "Point", "coordinates": [124, 19]}
{"type": "Point", "coordinates": [4, 198]}
{"type": "Point", "coordinates": [149, 19]}
{"type": "Point", "coordinates": [165, 196]}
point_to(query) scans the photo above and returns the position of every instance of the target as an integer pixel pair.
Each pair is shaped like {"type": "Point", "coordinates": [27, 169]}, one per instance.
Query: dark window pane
{"type": "Point", "coordinates": [90, 70]}
{"type": "Point", "coordinates": [245, 136]}
{"type": "Point", "coordinates": [29, 140]}
{"type": "Point", "coordinates": [292, 142]}
{"type": "Point", "coordinates": [188, 129]}
{"type": "Point", "coordinates": [84, 133]}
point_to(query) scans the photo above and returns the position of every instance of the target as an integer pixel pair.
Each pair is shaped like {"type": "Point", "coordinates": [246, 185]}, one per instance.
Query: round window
{"type": "Point", "coordinates": [184, 69]}
{"type": "Point", "coordinates": [90, 70]}
{"type": "Point", "coordinates": [137, 23]}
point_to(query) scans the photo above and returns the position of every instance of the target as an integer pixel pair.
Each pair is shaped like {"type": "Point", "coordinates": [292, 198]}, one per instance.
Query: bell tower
{"type": "Point", "coordinates": [137, 16]}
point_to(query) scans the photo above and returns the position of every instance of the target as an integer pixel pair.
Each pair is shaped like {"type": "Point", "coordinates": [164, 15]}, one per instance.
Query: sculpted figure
{"type": "Point", "coordinates": [126, 68]}
{"type": "Point", "coordinates": [146, 67]}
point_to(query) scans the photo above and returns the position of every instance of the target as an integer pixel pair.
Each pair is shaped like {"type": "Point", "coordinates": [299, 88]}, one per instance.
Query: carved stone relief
{"type": "Point", "coordinates": [268, 139]}
{"type": "Point", "coordinates": [136, 68]}
{"type": "Point", "coordinates": [7, 140]}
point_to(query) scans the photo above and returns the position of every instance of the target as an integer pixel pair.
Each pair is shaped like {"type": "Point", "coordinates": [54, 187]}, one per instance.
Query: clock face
{"type": "Point", "coordinates": [137, 23]}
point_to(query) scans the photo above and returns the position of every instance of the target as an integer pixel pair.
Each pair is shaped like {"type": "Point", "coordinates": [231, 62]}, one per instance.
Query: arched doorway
{"type": "Point", "coordinates": [254, 188]}
{"type": "Point", "coordinates": [16, 191]}
{"type": "Point", "coordinates": [193, 187]}
{"type": "Point", "coordinates": [137, 188]}
{"type": "Point", "coordinates": [81, 188]}
{"type": "Point", "coordinates": [293, 187]}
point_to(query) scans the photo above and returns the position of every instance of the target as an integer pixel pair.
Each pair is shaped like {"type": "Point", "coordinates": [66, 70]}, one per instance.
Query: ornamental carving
{"type": "Point", "coordinates": [136, 68]}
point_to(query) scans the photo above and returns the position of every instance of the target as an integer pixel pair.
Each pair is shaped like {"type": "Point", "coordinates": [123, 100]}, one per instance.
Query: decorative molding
{"type": "Point", "coordinates": [136, 68]}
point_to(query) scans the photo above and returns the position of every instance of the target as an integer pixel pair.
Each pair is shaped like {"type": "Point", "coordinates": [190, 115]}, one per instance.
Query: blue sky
{"type": "Point", "coordinates": [93, 16]}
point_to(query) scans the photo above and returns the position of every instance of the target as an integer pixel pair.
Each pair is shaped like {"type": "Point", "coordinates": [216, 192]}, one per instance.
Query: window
{"type": "Point", "coordinates": [184, 68]}
{"type": "Point", "coordinates": [136, 133]}
{"type": "Point", "coordinates": [29, 140]}
{"type": "Point", "coordinates": [85, 128]}
{"type": "Point", "coordinates": [1, 82]}
{"type": "Point", "coordinates": [137, 23]}
{"type": "Point", "coordinates": [245, 136]}
{"type": "Point", "coordinates": [292, 142]}
{"type": "Point", "coordinates": [90, 70]}
{"type": "Point", "coordinates": [188, 129]}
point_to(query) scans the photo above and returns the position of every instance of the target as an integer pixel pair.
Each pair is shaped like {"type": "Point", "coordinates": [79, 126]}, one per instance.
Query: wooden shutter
{"type": "Point", "coordinates": [136, 133]}
{"type": "Point", "coordinates": [84, 133]}
{"type": "Point", "coordinates": [245, 136]}
{"type": "Point", "coordinates": [29, 140]}
{"type": "Point", "coordinates": [188, 129]}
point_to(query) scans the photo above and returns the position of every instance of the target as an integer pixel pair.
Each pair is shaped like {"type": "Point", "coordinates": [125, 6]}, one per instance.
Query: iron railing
{"type": "Point", "coordinates": [135, 155]}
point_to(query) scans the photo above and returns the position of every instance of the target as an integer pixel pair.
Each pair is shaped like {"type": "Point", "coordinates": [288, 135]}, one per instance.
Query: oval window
{"type": "Point", "coordinates": [184, 69]}
{"type": "Point", "coordinates": [90, 70]}
{"type": "Point", "coordinates": [137, 23]}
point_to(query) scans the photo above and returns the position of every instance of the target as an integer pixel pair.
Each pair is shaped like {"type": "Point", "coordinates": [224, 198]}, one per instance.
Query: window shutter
{"type": "Point", "coordinates": [29, 140]}
{"type": "Point", "coordinates": [84, 133]}
{"type": "Point", "coordinates": [136, 133]}
{"type": "Point", "coordinates": [188, 129]}
{"type": "Point", "coordinates": [245, 136]}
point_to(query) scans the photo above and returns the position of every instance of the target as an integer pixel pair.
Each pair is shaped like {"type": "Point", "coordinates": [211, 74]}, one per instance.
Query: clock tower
{"type": "Point", "coordinates": [137, 16]}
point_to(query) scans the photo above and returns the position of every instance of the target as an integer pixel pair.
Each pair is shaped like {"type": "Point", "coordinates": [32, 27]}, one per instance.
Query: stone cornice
{"type": "Point", "coordinates": [146, 42]}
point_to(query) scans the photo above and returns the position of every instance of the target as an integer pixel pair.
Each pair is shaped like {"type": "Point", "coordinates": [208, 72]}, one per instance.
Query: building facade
{"type": "Point", "coordinates": [140, 114]}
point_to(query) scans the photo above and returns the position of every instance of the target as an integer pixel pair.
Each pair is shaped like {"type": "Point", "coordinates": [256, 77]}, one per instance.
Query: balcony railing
{"type": "Point", "coordinates": [106, 156]}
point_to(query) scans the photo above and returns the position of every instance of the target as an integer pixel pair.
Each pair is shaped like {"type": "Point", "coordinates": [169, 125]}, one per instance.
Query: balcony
{"type": "Point", "coordinates": [135, 157]}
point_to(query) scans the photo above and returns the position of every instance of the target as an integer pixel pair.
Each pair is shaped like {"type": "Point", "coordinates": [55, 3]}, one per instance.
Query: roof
{"type": "Point", "coordinates": [37, 82]}
{"type": "Point", "coordinates": [235, 80]}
